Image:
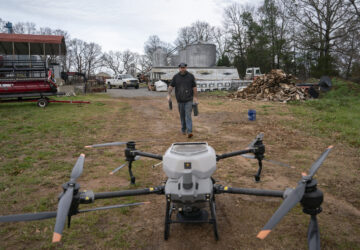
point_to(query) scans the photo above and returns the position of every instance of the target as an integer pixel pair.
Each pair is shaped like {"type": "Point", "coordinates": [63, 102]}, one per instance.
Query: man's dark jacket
{"type": "Point", "coordinates": [183, 85]}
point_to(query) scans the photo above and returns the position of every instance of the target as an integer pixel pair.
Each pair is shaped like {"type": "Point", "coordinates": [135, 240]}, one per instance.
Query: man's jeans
{"type": "Point", "coordinates": [185, 109]}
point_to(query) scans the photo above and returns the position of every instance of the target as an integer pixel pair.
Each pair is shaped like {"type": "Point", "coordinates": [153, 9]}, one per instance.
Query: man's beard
{"type": "Point", "coordinates": [182, 72]}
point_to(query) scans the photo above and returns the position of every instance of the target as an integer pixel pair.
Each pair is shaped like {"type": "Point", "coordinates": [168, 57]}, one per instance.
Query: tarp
{"type": "Point", "coordinates": [160, 86]}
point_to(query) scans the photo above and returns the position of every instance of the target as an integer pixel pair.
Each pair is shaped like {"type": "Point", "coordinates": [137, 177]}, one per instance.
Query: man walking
{"type": "Point", "coordinates": [186, 93]}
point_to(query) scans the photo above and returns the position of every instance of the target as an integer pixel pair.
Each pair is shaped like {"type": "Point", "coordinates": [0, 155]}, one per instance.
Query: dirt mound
{"type": "Point", "coordinates": [275, 86]}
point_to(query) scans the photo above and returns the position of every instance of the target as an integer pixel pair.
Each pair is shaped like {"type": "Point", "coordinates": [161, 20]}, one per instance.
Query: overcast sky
{"type": "Point", "coordinates": [117, 24]}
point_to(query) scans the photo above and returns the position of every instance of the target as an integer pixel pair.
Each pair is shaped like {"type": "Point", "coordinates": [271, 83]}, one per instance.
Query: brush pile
{"type": "Point", "coordinates": [275, 86]}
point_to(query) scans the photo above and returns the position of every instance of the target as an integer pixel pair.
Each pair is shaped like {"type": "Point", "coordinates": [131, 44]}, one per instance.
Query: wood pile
{"type": "Point", "coordinates": [275, 86]}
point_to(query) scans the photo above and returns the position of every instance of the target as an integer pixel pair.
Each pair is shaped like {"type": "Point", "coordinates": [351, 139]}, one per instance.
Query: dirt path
{"type": "Point", "coordinates": [223, 123]}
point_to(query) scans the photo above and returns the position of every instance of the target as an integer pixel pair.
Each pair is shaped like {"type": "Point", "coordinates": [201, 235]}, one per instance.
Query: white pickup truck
{"type": "Point", "coordinates": [122, 81]}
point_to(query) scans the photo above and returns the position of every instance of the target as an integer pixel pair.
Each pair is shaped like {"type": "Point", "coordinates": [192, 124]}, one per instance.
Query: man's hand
{"type": "Point", "coordinates": [170, 88]}
{"type": "Point", "coordinates": [196, 100]}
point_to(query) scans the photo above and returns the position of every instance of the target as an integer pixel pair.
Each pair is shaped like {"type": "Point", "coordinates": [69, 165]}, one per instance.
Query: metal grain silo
{"type": "Point", "coordinates": [200, 55]}
{"type": "Point", "coordinates": [159, 58]}
{"type": "Point", "coordinates": [182, 55]}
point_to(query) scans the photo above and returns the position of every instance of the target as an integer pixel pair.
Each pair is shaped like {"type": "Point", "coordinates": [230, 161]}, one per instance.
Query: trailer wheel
{"type": "Point", "coordinates": [42, 103]}
{"type": "Point", "coordinates": [125, 85]}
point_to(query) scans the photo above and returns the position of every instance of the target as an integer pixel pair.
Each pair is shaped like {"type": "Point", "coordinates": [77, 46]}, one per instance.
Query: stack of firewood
{"type": "Point", "coordinates": [275, 86]}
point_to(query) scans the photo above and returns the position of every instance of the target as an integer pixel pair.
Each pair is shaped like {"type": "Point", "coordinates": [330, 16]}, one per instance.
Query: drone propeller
{"type": "Point", "coordinates": [66, 199]}
{"type": "Point", "coordinates": [118, 143]}
{"type": "Point", "coordinates": [28, 217]}
{"type": "Point", "coordinates": [48, 215]}
{"type": "Point", "coordinates": [123, 165]}
{"type": "Point", "coordinates": [117, 169]}
{"type": "Point", "coordinates": [268, 160]}
{"type": "Point", "coordinates": [292, 199]}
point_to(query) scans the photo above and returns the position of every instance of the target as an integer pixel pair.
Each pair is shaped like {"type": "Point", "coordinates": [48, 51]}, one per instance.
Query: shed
{"type": "Point", "coordinates": [24, 44]}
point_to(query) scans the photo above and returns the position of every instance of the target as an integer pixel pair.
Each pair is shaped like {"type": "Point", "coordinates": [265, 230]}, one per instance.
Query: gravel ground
{"type": "Point", "coordinates": [132, 92]}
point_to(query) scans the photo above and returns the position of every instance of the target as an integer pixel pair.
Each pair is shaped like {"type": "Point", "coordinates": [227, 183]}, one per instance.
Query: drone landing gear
{"type": "Point", "coordinates": [167, 220]}
{"type": "Point", "coordinates": [195, 216]}
{"type": "Point", "coordinates": [311, 203]}
{"type": "Point", "coordinates": [213, 218]}
{"type": "Point", "coordinates": [132, 177]}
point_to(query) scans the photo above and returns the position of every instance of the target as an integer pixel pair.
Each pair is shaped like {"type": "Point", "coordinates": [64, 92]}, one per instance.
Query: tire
{"type": "Point", "coordinates": [42, 103]}
{"type": "Point", "coordinates": [136, 86]}
{"type": "Point", "coordinates": [125, 85]}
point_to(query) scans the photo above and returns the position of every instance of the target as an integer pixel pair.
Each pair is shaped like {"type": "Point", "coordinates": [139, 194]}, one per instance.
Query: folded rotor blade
{"type": "Point", "coordinates": [62, 212]}
{"type": "Point", "coordinates": [118, 143]}
{"type": "Point", "coordinates": [313, 234]}
{"type": "Point", "coordinates": [248, 156]}
{"type": "Point", "coordinates": [294, 197]}
{"type": "Point", "coordinates": [279, 163]}
{"type": "Point", "coordinates": [268, 160]}
{"type": "Point", "coordinates": [114, 206]}
{"type": "Point", "coordinates": [78, 168]}
{"type": "Point", "coordinates": [319, 161]}
{"type": "Point", "coordinates": [117, 169]}
{"type": "Point", "coordinates": [28, 217]}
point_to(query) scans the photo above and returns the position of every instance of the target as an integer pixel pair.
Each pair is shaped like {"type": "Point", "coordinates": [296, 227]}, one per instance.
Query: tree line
{"type": "Point", "coordinates": [307, 38]}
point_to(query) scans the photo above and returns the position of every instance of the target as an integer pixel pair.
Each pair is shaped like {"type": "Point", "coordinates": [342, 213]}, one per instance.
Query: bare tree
{"type": "Point", "coordinates": [112, 60]}
{"type": "Point", "coordinates": [78, 47]}
{"type": "Point", "coordinates": [185, 37]}
{"type": "Point", "coordinates": [92, 57]}
{"type": "Point", "coordinates": [321, 24]}
{"type": "Point", "coordinates": [356, 6]}
{"type": "Point", "coordinates": [197, 32]}
{"type": "Point", "coordinates": [129, 60]}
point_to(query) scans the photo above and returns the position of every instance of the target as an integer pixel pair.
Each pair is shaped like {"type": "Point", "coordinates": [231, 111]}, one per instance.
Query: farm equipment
{"type": "Point", "coordinates": [314, 89]}
{"type": "Point", "coordinates": [29, 81]}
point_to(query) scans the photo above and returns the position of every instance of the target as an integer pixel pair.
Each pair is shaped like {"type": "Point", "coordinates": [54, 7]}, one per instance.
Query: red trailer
{"type": "Point", "coordinates": [27, 80]}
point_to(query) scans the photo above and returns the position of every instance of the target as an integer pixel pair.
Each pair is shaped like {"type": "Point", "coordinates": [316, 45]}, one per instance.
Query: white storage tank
{"type": "Point", "coordinates": [199, 55]}
{"type": "Point", "coordinates": [159, 58]}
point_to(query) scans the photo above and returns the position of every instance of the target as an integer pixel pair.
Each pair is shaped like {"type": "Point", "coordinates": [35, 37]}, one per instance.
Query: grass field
{"type": "Point", "coordinates": [335, 115]}
{"type": "Point", "coordinates": [38, 148]}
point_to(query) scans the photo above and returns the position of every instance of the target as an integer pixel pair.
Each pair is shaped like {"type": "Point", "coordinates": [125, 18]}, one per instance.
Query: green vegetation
{"type": "Point", "coordinates": [38, 148]}
{"type": "Point", "coordinates": [336, 114]}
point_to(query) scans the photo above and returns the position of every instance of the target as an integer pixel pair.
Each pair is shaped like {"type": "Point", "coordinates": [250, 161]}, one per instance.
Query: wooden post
{"type": "Point", "coordinates": [13, 50]}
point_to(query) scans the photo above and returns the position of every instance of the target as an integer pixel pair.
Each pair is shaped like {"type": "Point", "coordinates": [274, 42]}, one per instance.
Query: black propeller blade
{"type": "Point", "coordinates": [27, 217]}
{"type": "Point", "coordinates": [294, 197]}
{"type": "Point", "coordinates": [66, 199]}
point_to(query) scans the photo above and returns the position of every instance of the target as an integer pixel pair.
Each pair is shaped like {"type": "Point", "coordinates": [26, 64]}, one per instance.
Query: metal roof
{"type": "Point", "coordinates": [24, 44]}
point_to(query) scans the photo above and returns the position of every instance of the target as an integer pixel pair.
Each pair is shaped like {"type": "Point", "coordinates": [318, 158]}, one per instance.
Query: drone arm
{"type": "Point", "coordinates": [248, 191]}
{"type": "Point", "coordinates": [235, 153]}
{"type": "Point", "coordinates": [150, 155]}
{"type": "Point", "coordinates": [116, 194]}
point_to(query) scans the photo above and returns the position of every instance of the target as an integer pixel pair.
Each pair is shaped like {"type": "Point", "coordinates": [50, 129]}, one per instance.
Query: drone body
{"type": "Point", "coordinates": [190, 189]}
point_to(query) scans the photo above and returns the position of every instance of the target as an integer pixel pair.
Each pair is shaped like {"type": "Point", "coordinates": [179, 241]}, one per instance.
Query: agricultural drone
{"type": "Point", "coordinates": [189, 190]}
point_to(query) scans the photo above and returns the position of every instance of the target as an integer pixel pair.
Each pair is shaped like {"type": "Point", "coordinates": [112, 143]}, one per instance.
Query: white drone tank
{"type": "Point", "coordinates": [197, 158]}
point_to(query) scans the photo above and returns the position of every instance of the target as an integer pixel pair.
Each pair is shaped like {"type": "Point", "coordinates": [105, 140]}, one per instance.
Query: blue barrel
{"type": "Point", "coordinates": [252, 115]}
